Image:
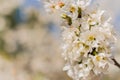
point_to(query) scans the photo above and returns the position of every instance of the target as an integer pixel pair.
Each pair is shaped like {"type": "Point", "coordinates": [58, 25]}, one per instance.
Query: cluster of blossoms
{"type": "Point", "coordinates": [88, 38]}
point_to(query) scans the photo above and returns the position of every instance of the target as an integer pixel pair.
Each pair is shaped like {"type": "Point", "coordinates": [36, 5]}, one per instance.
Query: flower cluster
{"type": "Point", "coordinates": [88, 38]}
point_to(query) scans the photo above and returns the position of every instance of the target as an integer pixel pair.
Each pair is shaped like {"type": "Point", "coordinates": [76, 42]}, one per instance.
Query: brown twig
{"type": "Point", "coordinates": [116, 63]}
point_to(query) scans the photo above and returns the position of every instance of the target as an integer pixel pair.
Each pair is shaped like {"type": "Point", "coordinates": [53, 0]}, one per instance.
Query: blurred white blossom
{"type": "Point", "coordinates": [27, 46]}
{"type": "Point", "coordinates": [6, 7]}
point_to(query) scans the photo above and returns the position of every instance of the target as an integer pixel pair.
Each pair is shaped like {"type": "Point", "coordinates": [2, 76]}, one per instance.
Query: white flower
{"type": "Point", "coordinates": [87, 39]}
{"type": "Point", "coordinates": [83, 3]}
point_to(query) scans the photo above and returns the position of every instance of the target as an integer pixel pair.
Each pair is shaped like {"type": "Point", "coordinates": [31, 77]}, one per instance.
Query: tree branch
{"type": "Point", "coordinates": [116, 63]}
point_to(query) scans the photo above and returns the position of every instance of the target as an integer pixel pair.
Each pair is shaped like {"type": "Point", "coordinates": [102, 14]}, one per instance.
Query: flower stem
{"type": "Point", "coordinates": [116, 63]}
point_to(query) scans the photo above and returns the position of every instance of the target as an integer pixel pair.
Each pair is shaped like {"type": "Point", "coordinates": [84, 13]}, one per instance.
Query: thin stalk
{"type": "Point", "coordinates": [116, 63]}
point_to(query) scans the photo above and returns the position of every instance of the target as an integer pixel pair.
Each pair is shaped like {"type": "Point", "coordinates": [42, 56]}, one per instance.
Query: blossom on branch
{"type": "Point", "coordinates": [88, 38]}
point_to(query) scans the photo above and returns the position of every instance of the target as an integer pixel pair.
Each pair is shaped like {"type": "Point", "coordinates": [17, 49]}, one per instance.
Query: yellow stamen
{"type": "Point", "coordinates": [61, 4]}
{"type": "Point", "coordinates": [72, 9]}
{"type": "Point", "coordinates": [52, 6]}
{"type": "Point", "coordinates": [91, 38]}
{"type": "Point", "coordinates": [98, 58]}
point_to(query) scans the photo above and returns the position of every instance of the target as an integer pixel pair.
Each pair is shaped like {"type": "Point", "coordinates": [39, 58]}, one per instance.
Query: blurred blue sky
{"type": "Point", "coordinates": [34, 3]}
{"type": "Point", "coordinates": [27, 3]}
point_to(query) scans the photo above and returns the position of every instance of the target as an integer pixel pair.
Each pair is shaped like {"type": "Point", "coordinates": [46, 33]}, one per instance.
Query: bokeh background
{"type": "Point", "coordinates": [30, 41]}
